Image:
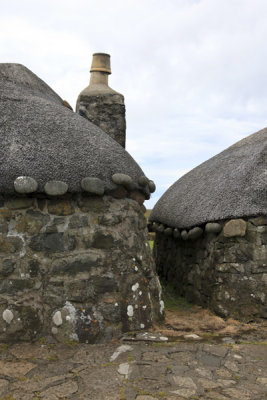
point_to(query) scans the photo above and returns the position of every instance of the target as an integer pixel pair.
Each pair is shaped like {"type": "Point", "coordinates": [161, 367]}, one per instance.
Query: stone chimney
{"type": "Point", "coordinates": [100, 104]}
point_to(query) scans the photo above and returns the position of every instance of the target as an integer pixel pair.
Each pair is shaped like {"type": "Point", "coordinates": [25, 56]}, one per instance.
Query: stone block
{"type": "Point", "coordinates": [10, 244]}
{"type": "Point", "coordinates": [102, 241]}
{"type": "Point", "coordinates": [92, 203]}
{"type": "Point", "coordinates": [80, 291]}
{"type": "Point", "coordinates": [74, 266]}
{"type": "Point", "coordinates": [119, 193]}
{"type": "Point", "coordinates": [13, 286]}
{"type": "Point", "coordinates": [48, 242]}
{"type": "Point", "coordinates": [137, 196]}
{"type": "Point", "coordinates": [104, 284]}
{"type": "Point", "coordinates": [60, 207]}
{"type": "Point", "coordinates": [262, 220]}
{"type": "Point", "coordinates": [32, 222]}
{"type": "Point", "coordinates": [57, 224]}
{"type": "Point", "coordinates": [5, 214]}
{"type": "Point", "coordinates": [19, 203]}
{"type": "Point", "coordinates": [110, 219]}
{"type": "Point", "coordinates": [33, 268]}
{"type": "Point", "coordinates": [235, 227]}
{"type": "Point", "coordinates": [7, 266]}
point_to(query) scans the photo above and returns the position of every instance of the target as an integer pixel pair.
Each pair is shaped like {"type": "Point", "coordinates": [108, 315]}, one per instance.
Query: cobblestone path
{"type": "Point", "coordinates": [139, 370]}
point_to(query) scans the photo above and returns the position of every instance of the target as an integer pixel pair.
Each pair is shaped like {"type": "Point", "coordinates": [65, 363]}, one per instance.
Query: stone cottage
{"type": "Point", "coordinates": [74, 258]}
{"type": "Point", "coordinates": [211, 240]}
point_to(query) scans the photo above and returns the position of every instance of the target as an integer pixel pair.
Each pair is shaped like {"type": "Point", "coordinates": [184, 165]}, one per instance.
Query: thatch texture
{"type": "Point", "coordinates": [232, 184]}
{"type": "Point", "coordinates": [43, 139]}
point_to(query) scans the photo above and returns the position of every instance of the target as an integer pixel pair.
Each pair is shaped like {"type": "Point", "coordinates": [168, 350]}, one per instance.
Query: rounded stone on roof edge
{"type": "Point", "coordinates": [152, 186]}
{"type": "Point", "coordinates": [93, 185]}
{"type": "Point", "coordinates": [184, 235]}
{"type": "Point", "coordinates": [55, 188]}
{"type": "Point", "coordinates": [195, 233]}
{"type": "Point", "coordinates": [25, 184]}
{"type": "Point", "coordinates": [121, 179]}
{"type": "Point", "coordinates": [213, 227]}
{"type": "Point", "coordinates": [161, 228]}
{"type": "Point", "coordinates": [143, 180]}
{"type": "Point", "coordinates": [176, 233]}
{"type": "Point", "coordinates": [168, 231]}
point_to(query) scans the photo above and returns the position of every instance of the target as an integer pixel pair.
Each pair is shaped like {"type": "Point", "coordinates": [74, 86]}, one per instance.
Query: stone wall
{"type": "Point", "coordinates": [77, 267]}
{"type": "Point", "coordinates": [222, 266]}
{"type": "Point", "coordinates": [106, 111]}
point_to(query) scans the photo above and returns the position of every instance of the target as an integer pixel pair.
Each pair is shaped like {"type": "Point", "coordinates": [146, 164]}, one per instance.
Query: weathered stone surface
{"type": "Point", "coordinates": [56, 188]}
{"type": "Point", "coordinates": [25, 184]}
{"type": "Point", "coordinates": [235, 227]}
{"type": "Point", "coordinates": [93, 185]}
{"type": "Point", "coordinates": [151, 372]}
{"type": "Point", "coordinates": [64, 390]}
{"type": "Point", "coordinates": [62, 262]}
{"type": "Point", "coordinates": [121, 179]}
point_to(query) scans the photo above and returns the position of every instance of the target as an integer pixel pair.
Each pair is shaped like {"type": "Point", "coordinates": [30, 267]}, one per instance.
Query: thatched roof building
{"type": "Point", "coordinates": [230, 185]}
{"type": "Point", "coordinates": [43, 139]}
{"type": "Point", "coordinates": [75, 262]}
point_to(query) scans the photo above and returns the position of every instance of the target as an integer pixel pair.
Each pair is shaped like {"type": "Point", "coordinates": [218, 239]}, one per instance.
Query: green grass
{"type": "Point", "coordinates": [172, 301]}
{"type": "Point", "coordinates": [151, 244]}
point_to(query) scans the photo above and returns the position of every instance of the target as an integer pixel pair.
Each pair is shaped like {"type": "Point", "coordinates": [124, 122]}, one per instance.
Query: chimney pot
{"type": "Point", "coordinates": [101, 63]}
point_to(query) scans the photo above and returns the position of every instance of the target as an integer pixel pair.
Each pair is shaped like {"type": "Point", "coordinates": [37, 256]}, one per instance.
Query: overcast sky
{"type": "Point", "coordinates": [193, 72]}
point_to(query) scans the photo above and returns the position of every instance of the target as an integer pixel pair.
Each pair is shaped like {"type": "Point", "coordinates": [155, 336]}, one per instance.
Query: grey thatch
{"type": "Point", "coordinates": [232, 184]}
{"type": "Point", "coordinates": [43, 139]}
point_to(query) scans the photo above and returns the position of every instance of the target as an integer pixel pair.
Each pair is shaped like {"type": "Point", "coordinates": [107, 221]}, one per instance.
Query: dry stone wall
{"type": "Point", "coordinates": [222, 265]}
{"type": "Point", "coordinates": [106, 111]}
{"type": "Point", "coordinates": [77, 267]}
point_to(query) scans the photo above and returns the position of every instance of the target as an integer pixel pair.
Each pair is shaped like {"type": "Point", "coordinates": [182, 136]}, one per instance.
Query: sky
{"type": "Point", "coordinates": [193, 72]}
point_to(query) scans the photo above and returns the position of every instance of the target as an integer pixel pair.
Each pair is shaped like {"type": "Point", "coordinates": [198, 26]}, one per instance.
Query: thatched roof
{"type": "Point", "coordinates": [45, 140]}
{"type": "Point", "coordinates": [232, 184]}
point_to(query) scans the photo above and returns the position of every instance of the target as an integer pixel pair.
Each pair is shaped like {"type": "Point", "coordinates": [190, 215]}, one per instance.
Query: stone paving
{"type": "Point", "coordinates": [137, 370]}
